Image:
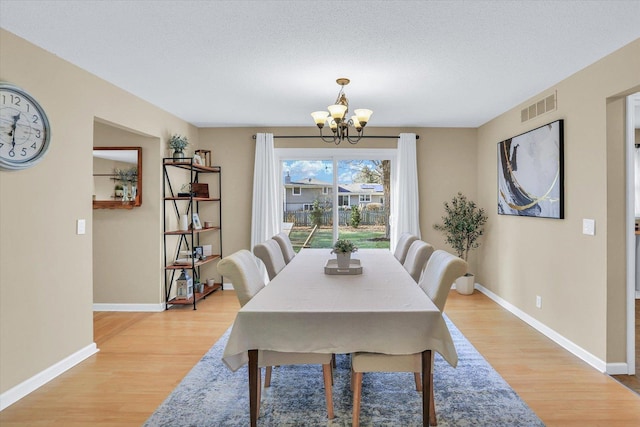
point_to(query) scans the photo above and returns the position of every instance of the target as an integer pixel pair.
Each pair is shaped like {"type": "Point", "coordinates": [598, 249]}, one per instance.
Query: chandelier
{"type": "Point", "coordinates": [337, 120]}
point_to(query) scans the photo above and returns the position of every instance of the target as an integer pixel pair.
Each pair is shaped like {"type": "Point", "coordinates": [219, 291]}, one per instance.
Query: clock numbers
{"type": "Point", "coordinates": [13, 100]}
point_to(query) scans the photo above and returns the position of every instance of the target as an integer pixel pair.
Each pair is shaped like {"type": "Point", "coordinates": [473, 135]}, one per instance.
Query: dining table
{"type": "Point", "coordinates": [304, 309]}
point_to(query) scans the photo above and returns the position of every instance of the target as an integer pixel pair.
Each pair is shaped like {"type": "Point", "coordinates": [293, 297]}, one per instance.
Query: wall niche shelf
{"type": "Point", "coordinates": [178, 204]}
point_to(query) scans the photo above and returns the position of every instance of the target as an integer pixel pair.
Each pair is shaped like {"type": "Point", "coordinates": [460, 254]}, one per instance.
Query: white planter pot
{"type": "Point", "coordinates": [344, 260]}
{"type": "Point", "coordinates": [465, 284]}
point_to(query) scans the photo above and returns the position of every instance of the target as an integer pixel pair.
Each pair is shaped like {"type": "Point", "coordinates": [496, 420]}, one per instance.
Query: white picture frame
{"type": "Point", "coordinates": [197, 225]}
{"type": "Point", "coordinates": [197, 160]}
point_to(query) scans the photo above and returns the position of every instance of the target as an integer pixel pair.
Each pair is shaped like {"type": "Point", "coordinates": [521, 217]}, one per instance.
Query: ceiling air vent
{"type": "Point", "coordinates": [540, 107]}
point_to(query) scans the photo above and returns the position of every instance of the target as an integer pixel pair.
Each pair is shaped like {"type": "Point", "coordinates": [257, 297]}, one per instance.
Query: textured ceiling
{"type": "Point", "coordinates": [270, 63]}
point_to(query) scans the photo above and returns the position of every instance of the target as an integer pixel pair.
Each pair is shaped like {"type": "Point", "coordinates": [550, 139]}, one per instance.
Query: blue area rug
{"type": "Point", "coordinates": [473, 394]}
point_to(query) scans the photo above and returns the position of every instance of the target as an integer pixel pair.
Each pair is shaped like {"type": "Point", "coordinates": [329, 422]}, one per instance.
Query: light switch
{"type": "Point", "coordinates": [589, 227]}
{"type": "Point", "coordinates": [80, 226]}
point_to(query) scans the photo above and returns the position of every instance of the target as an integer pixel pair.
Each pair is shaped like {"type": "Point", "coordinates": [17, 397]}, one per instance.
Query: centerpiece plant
{"type": "Point", "coordinates": [344, 246]}
{"type": "Point", "coordinates": [343, 249]}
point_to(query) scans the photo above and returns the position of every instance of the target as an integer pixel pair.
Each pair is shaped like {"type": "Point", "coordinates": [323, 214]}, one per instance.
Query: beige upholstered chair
{"type": "Point", "coordinates": [270, 254]}
{"type": "Point", "coordinates": [285, 246]}
{"type": "Point", "coordinates": [417, 257]}
{"type": "Point", "coordinates": [441, 271]}
{"type": "Point", "coordinates": [242, 270]}
{"type": "Point", "coordinates": [402, 247]}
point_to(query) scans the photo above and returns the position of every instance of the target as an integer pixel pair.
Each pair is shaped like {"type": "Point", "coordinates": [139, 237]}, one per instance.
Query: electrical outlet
{"type": "Point", "coordinates": [538, 301]}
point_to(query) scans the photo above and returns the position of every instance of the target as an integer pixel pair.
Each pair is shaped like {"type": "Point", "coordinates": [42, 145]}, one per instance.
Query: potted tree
{"type": "Point", "coordinates": [462, 226]}
{"type": "Point", "coordinates": [343, 249]}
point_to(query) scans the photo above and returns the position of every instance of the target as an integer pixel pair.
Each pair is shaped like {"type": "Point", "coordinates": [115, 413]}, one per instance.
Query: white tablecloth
{"type": "Point", "coordinates": [303, 309]}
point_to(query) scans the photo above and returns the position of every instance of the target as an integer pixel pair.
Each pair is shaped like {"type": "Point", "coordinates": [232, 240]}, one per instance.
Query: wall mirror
{"type": "Point", "coordinates": [117, 177]}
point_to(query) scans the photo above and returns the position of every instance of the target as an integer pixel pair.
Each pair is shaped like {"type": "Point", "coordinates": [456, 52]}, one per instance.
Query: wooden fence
{"type": "Point", "coordinates": [303, 218]}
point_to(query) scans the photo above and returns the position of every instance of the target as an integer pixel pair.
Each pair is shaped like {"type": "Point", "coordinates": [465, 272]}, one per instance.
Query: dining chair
{"type": "Point", "coordinates": [242, 270]}
{"type": "Point", "coordinates": [404, 241]}
{"type": "Point", "coordinates": [270, 254]}
{"type": "Point", "coordinates": [441, 271]}
{"type": "Point", "coordinates": [285, 246]}
{"type": "Point", "coordinates": [417, 257]}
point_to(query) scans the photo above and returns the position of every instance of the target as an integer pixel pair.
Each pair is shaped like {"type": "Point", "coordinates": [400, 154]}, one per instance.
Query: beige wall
{"type": "Point", "coordinates": [580, 278]}
{"type": "Point", "coordinates": [46, 270]}
{"type": "Point", "coordinates": [127, 246]}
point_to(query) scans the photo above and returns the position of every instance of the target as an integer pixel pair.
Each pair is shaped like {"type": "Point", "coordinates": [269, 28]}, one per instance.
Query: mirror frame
{"type": "Point", "coordinates": [116, 204]}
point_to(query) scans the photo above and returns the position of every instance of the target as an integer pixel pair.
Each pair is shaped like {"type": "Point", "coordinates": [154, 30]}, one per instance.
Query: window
{"type": "Point", "coordinates": [339, 179]}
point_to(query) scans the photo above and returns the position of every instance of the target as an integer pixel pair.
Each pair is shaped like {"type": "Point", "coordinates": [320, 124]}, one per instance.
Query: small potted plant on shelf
{"type": "Point", "coordinates": [462, 226]}
{"type": "Point", "coordinates": [178, 143]}
{"type": "Point", "coordinates": [343, 249]}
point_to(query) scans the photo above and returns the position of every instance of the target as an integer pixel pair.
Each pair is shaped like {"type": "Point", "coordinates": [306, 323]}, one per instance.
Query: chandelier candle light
{"type": "Point", "coordinates": [336, 118]}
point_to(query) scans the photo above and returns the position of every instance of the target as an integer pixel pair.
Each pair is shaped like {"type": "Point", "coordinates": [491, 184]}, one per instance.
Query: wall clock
{"type": "Point", "coordinates": [25, 131]}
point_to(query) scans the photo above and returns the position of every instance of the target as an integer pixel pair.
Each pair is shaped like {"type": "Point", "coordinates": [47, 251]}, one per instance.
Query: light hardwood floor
{"type": "Point", "coordinates": [143, 356]}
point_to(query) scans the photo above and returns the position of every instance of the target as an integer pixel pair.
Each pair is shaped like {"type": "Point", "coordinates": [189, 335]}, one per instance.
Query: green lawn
{"type": "Point", "coordinates": [369, 237]}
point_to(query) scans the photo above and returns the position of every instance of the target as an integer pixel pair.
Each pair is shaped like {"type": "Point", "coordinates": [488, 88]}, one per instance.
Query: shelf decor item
{"type": "Point", "coordinates": [343, 250]}
{"type": "Point", "coordinates": [205, 156]}
{"type": "Point", "coordinates": [197, 225]}
{"type": "Point", "coordinates": [200, 190]}
{"type": "Point", "coordinates": [178, 143]}
{"type": "Point", "coordinates": [184, 286]}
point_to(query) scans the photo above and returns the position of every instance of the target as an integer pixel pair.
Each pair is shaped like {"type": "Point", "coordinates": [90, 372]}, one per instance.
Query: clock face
{"type": "Point", "coordinates": [24, 129]}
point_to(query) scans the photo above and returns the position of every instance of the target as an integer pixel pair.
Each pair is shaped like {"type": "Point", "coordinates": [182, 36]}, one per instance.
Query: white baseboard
{"type": "Point", "coordinates": [16, 393]}
{"type": "Point", "coordinates": [617, 369]}
{"type": "Point", "coordinates": [571, 347]}
{"type": "Point", "coordinates": [637, 294]}
{"type": "Point", "coordinates": [128, 307]}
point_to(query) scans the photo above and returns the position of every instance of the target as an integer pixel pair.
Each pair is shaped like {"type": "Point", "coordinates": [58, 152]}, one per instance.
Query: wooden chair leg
{"type": "Point", "coordinates": [357, 391]}
{"type": "Point", "coordinates": [418, 379]}
{"type": "Point", "coordinates": [352, 380]}
{"type": "Point", "coordinates": [259, 392]}
{"type": "Point", "coordinates": [267, 376]}
{"type": "Point", "coordinates": [433, 421]}
{"type": "Point", "coordinates": [328, 393]}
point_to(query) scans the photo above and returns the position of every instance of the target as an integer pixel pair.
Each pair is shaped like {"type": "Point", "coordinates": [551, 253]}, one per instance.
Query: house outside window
{"type": "Point", "coordinates": [325, 190]}
{"type": "Point", "coordinates": [307, 207]}
{"type": "Point", "coordinates": [296, 191]}
{"type": "Point", "coordinates": [365, 197]}
{"type": "Point", "coordinates": [343, 201]}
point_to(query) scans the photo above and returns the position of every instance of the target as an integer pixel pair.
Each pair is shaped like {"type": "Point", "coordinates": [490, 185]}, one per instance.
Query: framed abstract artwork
{"type": "Point", "coordinates": [530, 173]}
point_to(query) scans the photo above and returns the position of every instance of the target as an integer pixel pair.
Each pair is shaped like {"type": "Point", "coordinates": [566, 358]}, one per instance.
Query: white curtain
{"type": "Point", "coordinates": [637, 180]}
{"type": "Point", "coordinates": [405, 204]}
{"type": "Point", "coordinates": [264, 215]}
